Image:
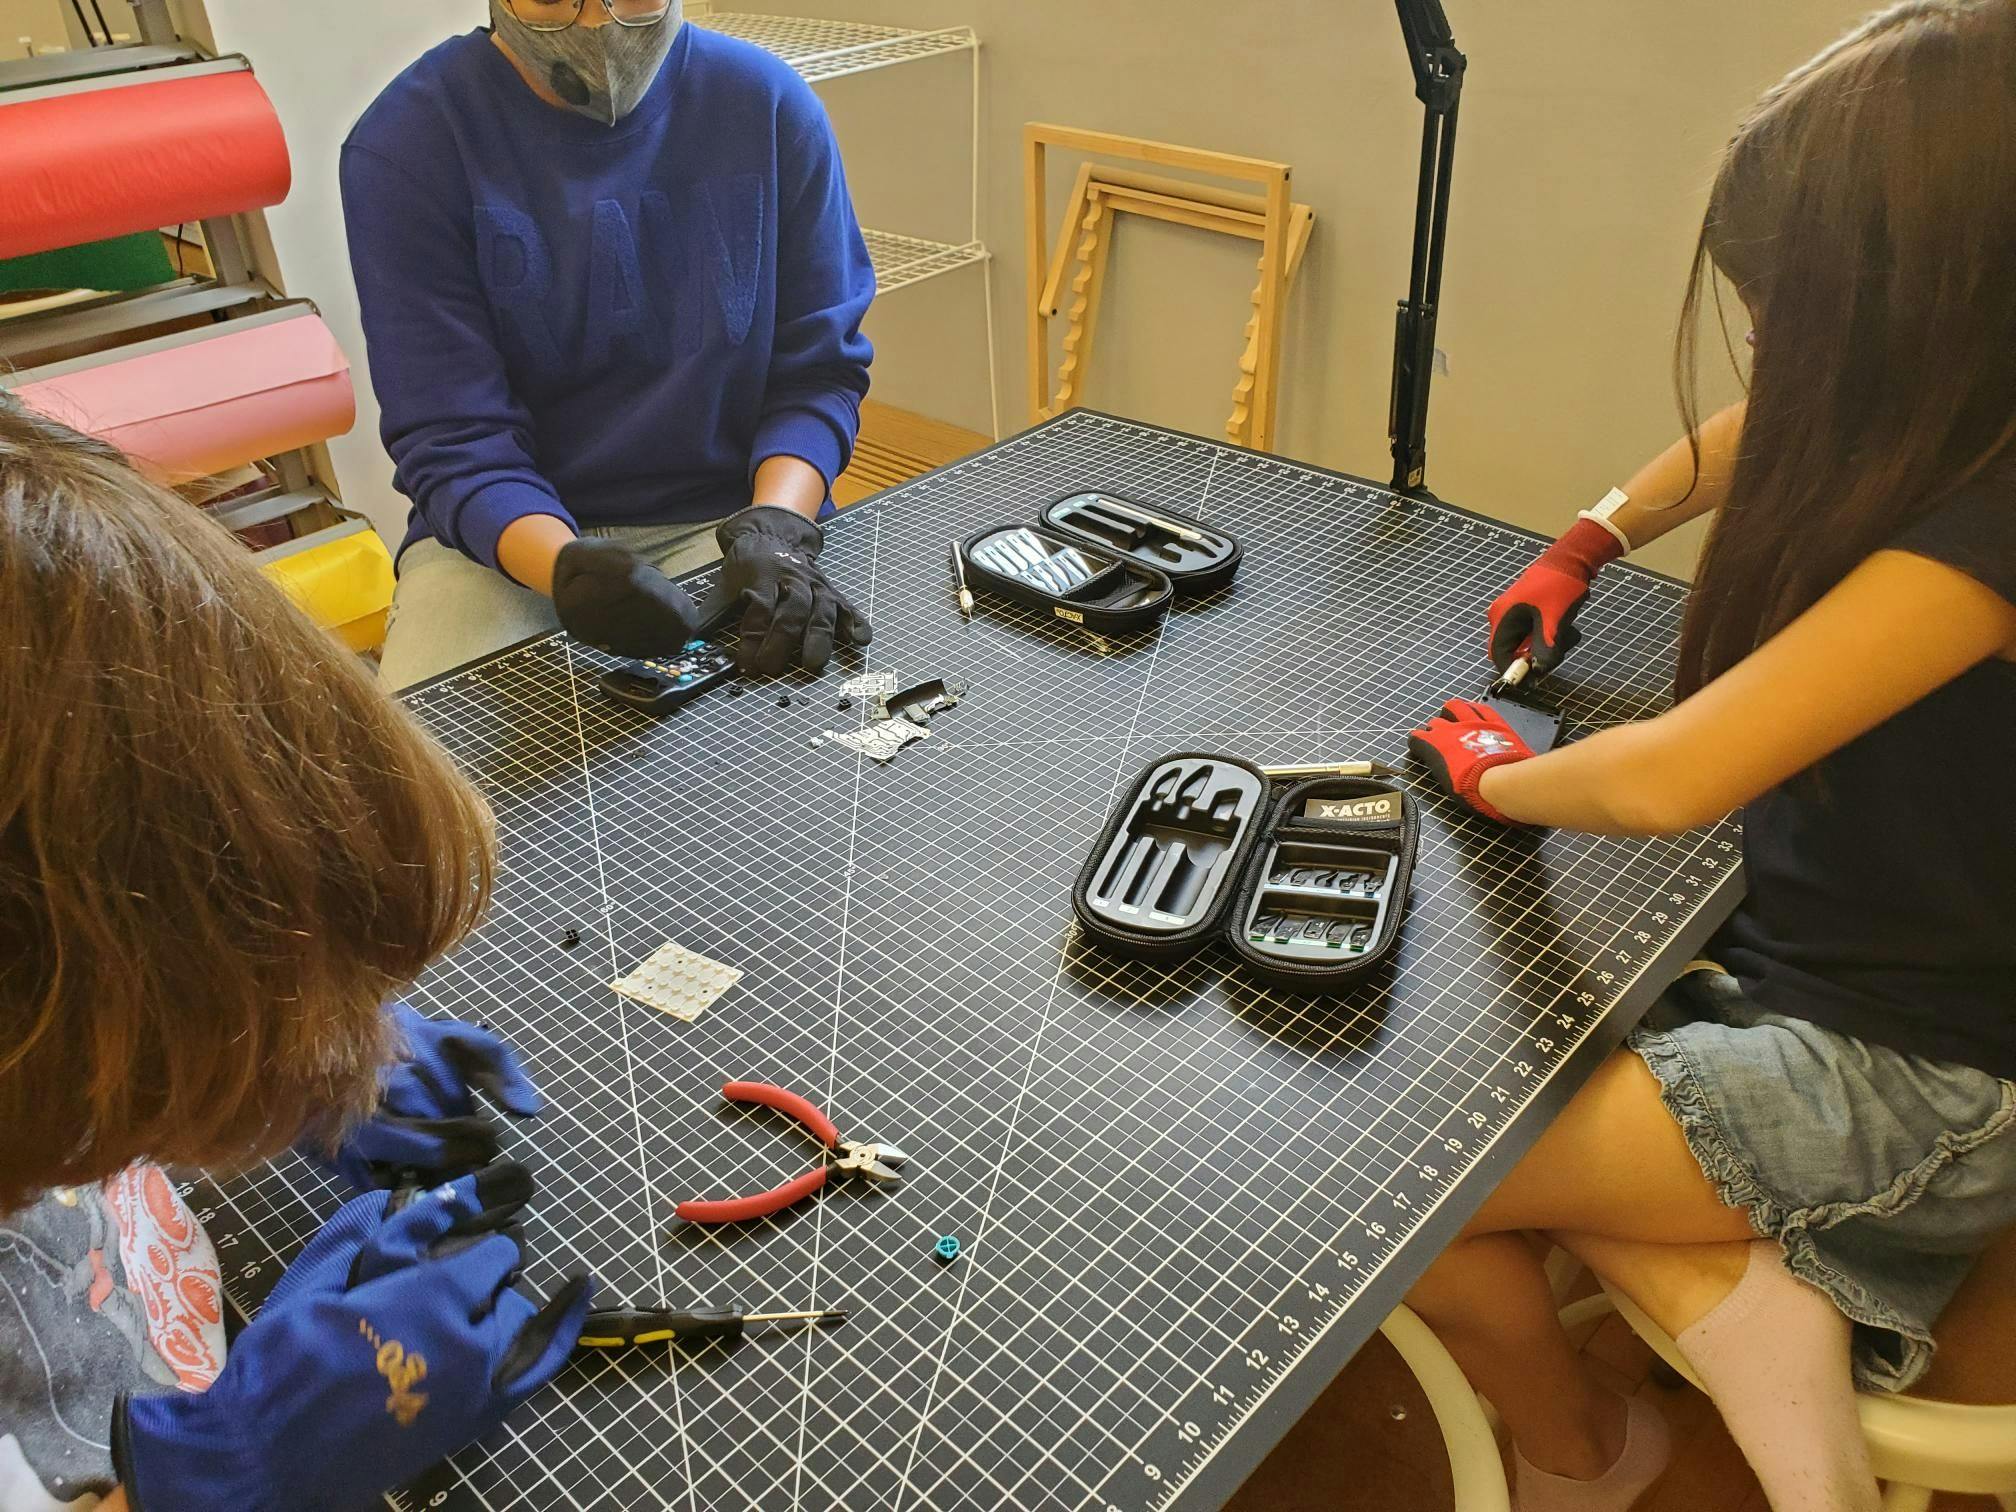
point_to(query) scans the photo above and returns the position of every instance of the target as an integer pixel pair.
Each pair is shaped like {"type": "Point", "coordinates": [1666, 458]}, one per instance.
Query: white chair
{"type": "Point", "coordinates": [1917, 1445]}
{"type": "Point", "coordinates": [1474, 1463]}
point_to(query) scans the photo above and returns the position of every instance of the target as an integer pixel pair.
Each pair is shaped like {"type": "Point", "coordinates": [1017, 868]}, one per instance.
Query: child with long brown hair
{"type": "Point", "coordinates": [222, 851]}
{"type": "Point", "coordinates": [1792, 1170]}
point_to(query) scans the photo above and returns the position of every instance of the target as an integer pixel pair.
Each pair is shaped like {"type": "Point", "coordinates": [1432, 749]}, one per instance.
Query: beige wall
{"type": "Point", "coordinates": [1589, 128]}
{"type": "Point", "coordinates": [26, 24]}
{"type": "Point", "coordinates": [45, 25]}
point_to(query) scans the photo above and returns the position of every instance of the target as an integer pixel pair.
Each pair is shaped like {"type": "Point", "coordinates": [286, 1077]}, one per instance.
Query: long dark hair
{"type": "Point", "coordinates": [221, 846]}
{"type": "Point", "coordinates": [1866, 216]}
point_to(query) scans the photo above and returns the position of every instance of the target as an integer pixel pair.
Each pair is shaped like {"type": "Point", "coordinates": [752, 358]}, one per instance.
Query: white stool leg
{"type": "Point", "coordinates": [1474, 1464]}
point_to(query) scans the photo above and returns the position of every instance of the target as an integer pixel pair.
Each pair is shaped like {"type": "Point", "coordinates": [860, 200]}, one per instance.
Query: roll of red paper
{"type": "Point", "coordinates": [105, 162]}
{"type": "Point", "coordinates": [200, 408]}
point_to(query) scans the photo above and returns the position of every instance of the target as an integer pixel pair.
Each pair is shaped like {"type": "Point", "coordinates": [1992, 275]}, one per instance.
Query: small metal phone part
{"type": "Point", "coordinates": [918, 704]}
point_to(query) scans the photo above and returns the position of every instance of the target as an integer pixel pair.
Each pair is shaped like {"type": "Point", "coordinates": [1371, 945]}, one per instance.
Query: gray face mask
{"type": "Point", "coordinates": [603, 71]}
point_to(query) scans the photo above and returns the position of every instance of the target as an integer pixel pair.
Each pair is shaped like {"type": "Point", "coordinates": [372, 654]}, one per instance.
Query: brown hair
{"type": "Point", "coordinates": [1864, 214]}
{"type": "Point", "coordinates": [221, 847]}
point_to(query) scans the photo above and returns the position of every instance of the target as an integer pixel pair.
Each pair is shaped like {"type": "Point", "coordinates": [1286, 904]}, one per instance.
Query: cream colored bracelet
{"type": "Point", "coordinates": [1605, 507]}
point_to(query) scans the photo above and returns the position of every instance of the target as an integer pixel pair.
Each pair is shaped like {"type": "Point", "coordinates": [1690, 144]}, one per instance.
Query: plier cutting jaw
{"type": "Point", "coordinates": [878, 1162]}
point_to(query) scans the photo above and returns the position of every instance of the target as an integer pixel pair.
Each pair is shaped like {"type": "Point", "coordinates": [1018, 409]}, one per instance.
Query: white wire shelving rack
{"type": "Point", "coordinates": [821, 49]}
{"type": "Point", "coordinates": [904, 260]}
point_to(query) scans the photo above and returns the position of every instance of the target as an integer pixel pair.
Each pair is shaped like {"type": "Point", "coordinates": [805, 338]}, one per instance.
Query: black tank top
{"type": "Point", "coordinates": [1882, 882]}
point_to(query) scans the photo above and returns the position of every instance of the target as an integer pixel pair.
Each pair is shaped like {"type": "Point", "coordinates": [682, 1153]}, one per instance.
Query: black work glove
{"type": "Point", "coordinates": [770, 566]}
{"type": "Point", "coordinates": [612, 599]}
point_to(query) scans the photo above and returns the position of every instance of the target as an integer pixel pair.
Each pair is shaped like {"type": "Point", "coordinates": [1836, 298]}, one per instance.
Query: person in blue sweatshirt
{"type": "Point", "coordinates": [612, 287]}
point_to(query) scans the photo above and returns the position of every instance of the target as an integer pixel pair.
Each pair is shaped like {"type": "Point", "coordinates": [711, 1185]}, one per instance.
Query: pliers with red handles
{"type": "Point", "coordinates": [876, 1161]}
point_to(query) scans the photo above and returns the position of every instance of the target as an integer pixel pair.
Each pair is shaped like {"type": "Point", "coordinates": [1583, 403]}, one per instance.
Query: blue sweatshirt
{"type": "Point", "coordinates": [614, 325]}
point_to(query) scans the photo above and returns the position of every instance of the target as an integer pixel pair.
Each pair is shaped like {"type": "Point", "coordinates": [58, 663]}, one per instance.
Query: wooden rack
{"type": "Point", "coordinates": [1102, 193]}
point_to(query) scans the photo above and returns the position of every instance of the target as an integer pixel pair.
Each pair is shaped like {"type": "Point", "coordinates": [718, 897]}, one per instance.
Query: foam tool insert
{"type": "Point", "coordinates": [1196, 558]}
{"type": "Point", "coordinates": [1307, 886]}
{"type": "Point", "coordinates": [1101, 561]}
{"type": "Point", "coordinates": [1163, 870]}
{"type": "Point", "coordinates": [1323, 898]}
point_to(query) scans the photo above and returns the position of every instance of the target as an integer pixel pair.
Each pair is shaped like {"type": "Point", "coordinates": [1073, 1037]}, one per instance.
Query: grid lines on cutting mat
{"type": "Point", "coordinates": [1171, 1184]}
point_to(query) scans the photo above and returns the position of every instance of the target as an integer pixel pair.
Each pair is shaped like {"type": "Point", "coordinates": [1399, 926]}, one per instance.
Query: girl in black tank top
{"type": "Point", "coordinates": [1795, 1163]}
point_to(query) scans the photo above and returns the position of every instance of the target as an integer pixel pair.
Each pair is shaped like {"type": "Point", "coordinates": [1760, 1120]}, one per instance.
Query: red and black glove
{"type": "Point", "coordinates": [1462, 743]}
{"type": "Point", "coordinates": [1535, 617]}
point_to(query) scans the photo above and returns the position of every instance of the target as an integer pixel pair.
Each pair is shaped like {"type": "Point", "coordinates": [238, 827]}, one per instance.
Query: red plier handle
{"type": "Point", "coordinates": [822, 1127]}
{"type": "Point", "coordinates": [762, 1204]}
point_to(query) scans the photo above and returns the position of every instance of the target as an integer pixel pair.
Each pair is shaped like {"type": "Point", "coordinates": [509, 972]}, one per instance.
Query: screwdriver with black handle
{"type": "Point", "coordinates": [626, 1327]}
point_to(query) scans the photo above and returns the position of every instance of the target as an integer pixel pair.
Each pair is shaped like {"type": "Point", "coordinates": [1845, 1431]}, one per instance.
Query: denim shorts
{"type": "Point", "coordinates": [1881, 1174]}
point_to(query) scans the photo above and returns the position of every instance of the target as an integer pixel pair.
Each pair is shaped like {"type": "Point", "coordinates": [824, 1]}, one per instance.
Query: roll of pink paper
{"type": "Point", "coordinates": [105, 162]}
{"type": "Point", "coordinates": [200, 408]}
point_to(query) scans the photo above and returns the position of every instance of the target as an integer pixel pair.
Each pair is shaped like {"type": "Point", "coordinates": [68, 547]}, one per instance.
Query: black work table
{"type": "Point", "coordinates": [1184, 1201]}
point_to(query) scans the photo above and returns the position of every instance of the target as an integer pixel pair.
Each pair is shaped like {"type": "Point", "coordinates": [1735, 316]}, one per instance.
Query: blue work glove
{"type": "Point", "coordinates": [356, 1244]}
{"type": "Point", "coordinates": [392, 1342]}
{"type": "Point", "coordinates": [428, 1127]}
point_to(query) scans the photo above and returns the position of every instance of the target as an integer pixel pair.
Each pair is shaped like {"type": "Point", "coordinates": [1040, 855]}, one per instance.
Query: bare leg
{"type": "Point", "coordinates": [1677, 1284]}
{"type": "Point", "coordinates": [1614, 1164]}
{"type": "Point", "coordinates": [1613, 1161]}
{"type": "Point", "coordinates": [1614, 1177]}
{"type": "Point", "coordinates": [1488, 1301]}
{"type": "Point", "coordinates": [1611, 1158]}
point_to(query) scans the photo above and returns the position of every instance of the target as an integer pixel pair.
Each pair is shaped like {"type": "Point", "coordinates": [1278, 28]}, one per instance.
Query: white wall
{"type": "Point", "coordinates": [323, 63]}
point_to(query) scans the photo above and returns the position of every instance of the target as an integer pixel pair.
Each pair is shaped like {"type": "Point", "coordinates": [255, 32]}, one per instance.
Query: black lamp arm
{"type": "Point", "coordinates": [1438, 84]}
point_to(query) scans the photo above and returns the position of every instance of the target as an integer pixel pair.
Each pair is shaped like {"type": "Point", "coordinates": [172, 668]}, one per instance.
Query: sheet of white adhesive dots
{"type": "Point", "coordinates": [674, 980]}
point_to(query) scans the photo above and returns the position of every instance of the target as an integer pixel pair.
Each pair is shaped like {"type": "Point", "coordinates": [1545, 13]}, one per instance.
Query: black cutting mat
{"type": "Point", "coordinates": [1183, 1199]}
